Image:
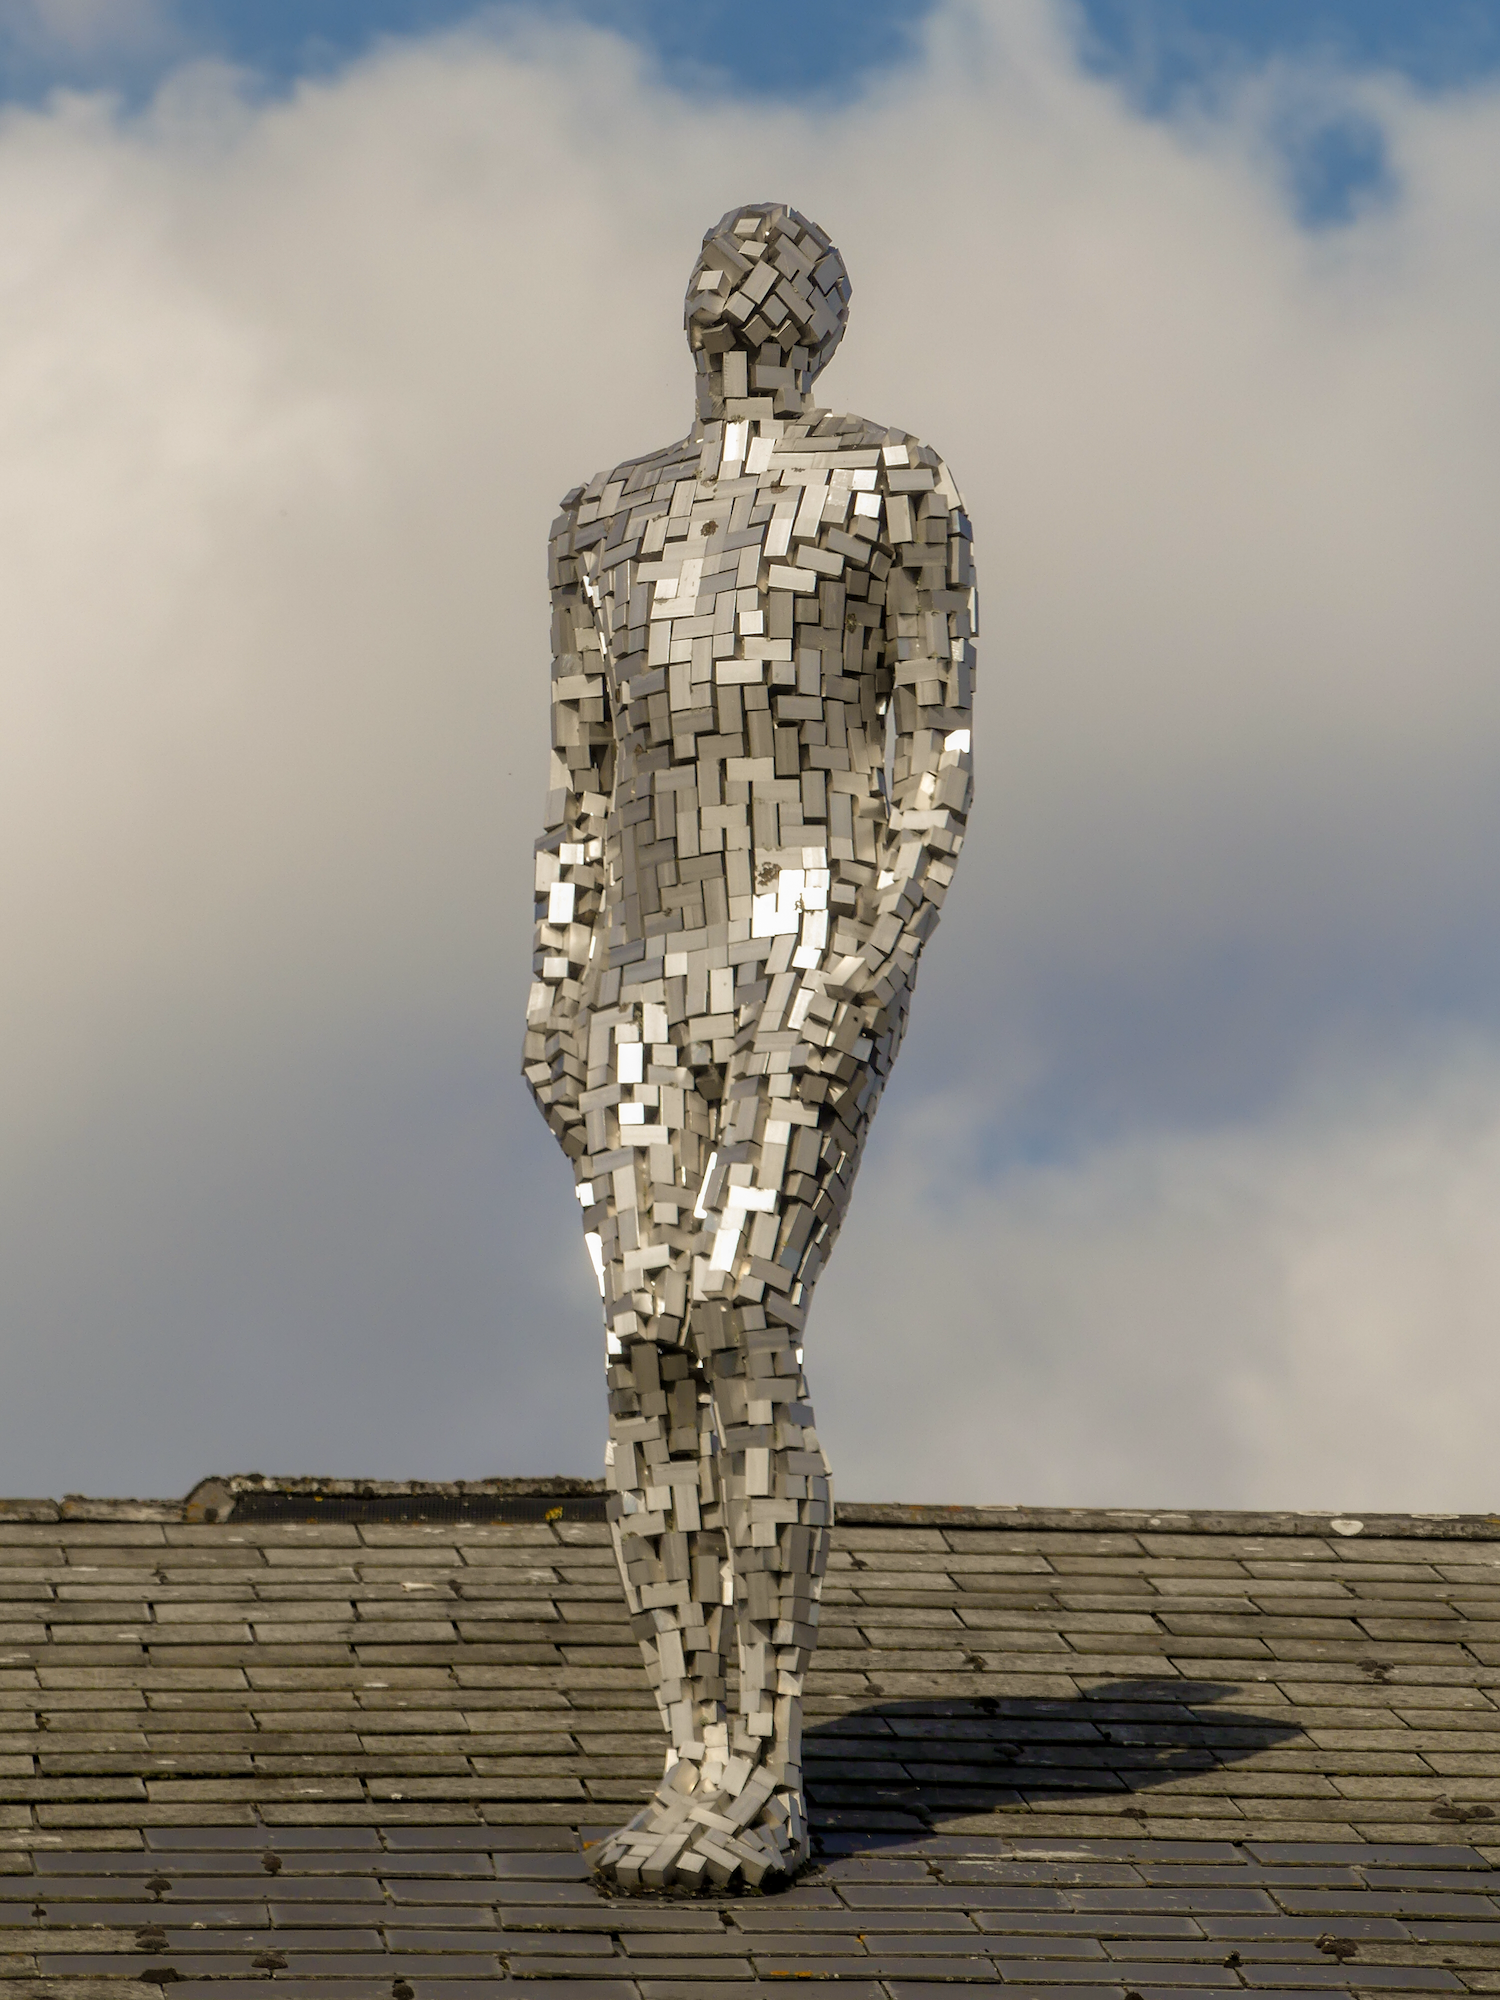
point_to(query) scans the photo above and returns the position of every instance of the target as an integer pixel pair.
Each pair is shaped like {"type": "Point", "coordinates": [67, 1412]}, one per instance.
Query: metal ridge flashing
{"type": "Point", "coordinates": [1174, 1521]}
{"type": "Point", "coordinates": [217, 1498]}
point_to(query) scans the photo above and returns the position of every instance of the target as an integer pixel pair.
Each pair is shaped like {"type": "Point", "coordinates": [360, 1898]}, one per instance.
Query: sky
{"type": "Point", "coordinates": [1183, 1191]}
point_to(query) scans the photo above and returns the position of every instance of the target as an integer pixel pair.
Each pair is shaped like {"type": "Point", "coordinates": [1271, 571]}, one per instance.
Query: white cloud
{"type": "Point", "coordinates": [1295, 1313]}
{"type": "Point", "coordinates": [287, 391]}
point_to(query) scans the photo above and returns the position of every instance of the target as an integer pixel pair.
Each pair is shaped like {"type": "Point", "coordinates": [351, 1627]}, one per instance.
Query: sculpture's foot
{"type": "Point", "coordinates": [700, 1834]}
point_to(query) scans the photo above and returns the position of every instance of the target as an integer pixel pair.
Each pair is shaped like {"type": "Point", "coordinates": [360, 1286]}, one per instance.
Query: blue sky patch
{"type": "Point", "coordinates": [1161, 49]}
{"type": "Point", "coordinates": [1164, 53]}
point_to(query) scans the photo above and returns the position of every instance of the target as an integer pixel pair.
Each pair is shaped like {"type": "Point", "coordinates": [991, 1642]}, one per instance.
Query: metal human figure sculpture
{"type": "Point", "coordinates": [732, 899]}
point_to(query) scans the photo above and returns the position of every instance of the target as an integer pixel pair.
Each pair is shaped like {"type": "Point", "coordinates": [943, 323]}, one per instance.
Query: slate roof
{"type": "Point", "coordinates": [1125, 1753]}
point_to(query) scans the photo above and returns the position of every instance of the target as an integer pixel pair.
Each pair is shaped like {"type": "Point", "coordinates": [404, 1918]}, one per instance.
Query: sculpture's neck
{"type": "Point", "coordinates": [734, 388]}
{"type": "Point", "coordinates": [754, 409]}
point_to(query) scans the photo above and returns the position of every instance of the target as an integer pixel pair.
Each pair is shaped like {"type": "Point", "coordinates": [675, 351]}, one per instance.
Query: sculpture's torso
{"type": "Point", "coordinates": [747, 620]}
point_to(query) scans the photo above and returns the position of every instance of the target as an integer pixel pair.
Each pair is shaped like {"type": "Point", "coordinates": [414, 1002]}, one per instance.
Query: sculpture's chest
{"type": "Point", "coordinates": [702, 593]}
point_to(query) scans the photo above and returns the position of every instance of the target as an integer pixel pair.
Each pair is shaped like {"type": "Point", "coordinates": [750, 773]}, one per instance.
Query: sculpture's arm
{"type": "Point", "coordinates": [931, 623]}
{"type": "Point", "coordinates": [570, 868]}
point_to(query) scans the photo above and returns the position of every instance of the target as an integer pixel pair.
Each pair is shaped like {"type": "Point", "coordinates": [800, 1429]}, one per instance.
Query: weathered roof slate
{"type": "Point", "coordinates": [1133, 1753]}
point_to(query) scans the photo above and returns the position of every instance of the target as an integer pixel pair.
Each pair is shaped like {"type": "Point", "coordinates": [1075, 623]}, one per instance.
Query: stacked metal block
{"type": "Point", "coordinates": [763, 668]}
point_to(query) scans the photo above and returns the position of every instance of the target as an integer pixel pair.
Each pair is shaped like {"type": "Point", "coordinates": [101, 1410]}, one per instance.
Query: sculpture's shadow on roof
{"type": "Point", "coordinates": [884, 1772]}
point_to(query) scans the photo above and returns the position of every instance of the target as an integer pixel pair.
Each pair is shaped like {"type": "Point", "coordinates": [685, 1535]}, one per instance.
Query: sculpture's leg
{"type": "Point", "coordinates": [715, 1457]}
{"type": "Point", "coordinates": [777, 1508]}
{"type": "Point", "coordinates": [674, 1572]}
{"type": "Point", "coordinates": [667, 1523]}
{"type": "Point", "coordinates": [792, 1134]}
{"type": "Point", "coordinates": [731, 1802]}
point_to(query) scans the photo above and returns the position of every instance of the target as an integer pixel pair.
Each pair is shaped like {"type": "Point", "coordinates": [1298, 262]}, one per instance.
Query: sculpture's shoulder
{"type": "Point", "coordinates": [900, 461]}
{"type": "Point", "coordinates": [589, 513]}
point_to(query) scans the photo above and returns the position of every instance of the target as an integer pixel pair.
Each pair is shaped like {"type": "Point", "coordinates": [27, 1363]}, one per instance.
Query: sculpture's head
{"type": "Point", "coordinates": [770, 289]}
